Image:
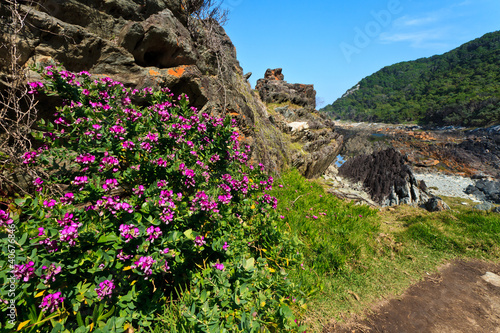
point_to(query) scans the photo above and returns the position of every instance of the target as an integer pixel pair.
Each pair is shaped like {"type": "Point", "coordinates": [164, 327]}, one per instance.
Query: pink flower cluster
{"type": "Point", "coordinates": [105, 289]}
{"type": "Point", "coordinates": [129, 232]}
{"type": "Point", "coordinates": [153, 233]}
{"type": "Point", "coordinates": [145, 264]}
{"type": "Point", "coordinates": [52, 302]}
{"type": "Point", "coordinates": [24, 271]}
{"type": "Point", "coordinates": [49, 273]}
{"type": "Point", "coordinates": [5, 218]}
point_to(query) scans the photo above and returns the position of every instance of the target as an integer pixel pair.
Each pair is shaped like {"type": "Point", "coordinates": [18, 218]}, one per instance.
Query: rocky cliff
{"type": "Point", "coordinates": [143, 43]}
{"type": "Point", "coordinates": [274, 89]}
{"type": "Point", "coordinates": [291, 107]}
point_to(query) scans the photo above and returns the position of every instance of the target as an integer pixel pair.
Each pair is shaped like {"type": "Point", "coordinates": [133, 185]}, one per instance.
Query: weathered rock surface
{"type": "Point", "coordinates": [315, 143]}
{"type": "Point", "coordinates": [436, 204]}
{"type": "Point", "coordinates": [387, 177]}
{"type": "Point", "coordinates": [485, 206]}
{"type": "Point", "coordinates": [273, 89]}
{"type": "Point", "coordinates": [144, 43]}
{"type": "Point", "coordinates": [485, 190]}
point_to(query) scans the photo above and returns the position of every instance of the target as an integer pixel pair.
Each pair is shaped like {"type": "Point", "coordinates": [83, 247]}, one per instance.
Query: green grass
{"type": "Point", "coordinates": [356, 256]}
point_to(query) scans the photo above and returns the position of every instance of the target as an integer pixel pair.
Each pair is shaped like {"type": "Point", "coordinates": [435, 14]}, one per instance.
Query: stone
{"type": "Point", "coordinates": [436, 204]}
{"type": "Point", "coordinates": [386, 176]}
{"type": "Point", "coordinates": [496, 210]}
{"type": "Point", "coordinates": [427, 163]}
{"type": "Point", "coordinates": [491, 278]}
{"type": "Point", "coordinates": [298, 126]}
{"type": "Point", "coordinates": [485, 206]}
{"type": "Point", "coordinates": [485, 190]}
{"type": "Point", "coordinates": [273, 89]}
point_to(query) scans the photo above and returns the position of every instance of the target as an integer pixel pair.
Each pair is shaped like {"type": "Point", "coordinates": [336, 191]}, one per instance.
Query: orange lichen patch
{"type": "Point", "coordinates": [234, 114]}
{"type": "Point", "coordinates": [177, 71]}
{"type": "Point", "coordinates": [153, 72]}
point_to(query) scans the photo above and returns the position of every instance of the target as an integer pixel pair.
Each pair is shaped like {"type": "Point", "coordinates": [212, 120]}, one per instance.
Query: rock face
{"type": "Point", "coordinates": [273, 89]}
{"type": "Point", "coordinates": [144, 43]}
{"type": "Point", "coordinates": [315, 143]}
{"type": "Point", "coordinates": [485, 190]}
{"type": "Point", "coordinates": [387, 178]}
{"type": "Point", "coordinates": [436, 204]}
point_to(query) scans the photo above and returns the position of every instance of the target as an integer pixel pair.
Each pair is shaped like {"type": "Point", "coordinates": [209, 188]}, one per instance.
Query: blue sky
{"type": "Point", "coordinates": [334, 44]}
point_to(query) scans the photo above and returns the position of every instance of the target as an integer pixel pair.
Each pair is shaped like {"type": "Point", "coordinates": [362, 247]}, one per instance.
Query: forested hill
{"type": "Point", "coordinates": [461, 87]}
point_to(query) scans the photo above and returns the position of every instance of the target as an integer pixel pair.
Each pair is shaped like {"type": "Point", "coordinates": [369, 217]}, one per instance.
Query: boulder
{"type": "Point", "coordinates": [485, 206]}
{"type": "Point", "coordinates": [273, 89]}
{"type": "Point", "coordinates": [485, 190]}
{"type": "Point", "coordinates": [387, 177]}
{"type": "Point", "coordinates": [436, 204]}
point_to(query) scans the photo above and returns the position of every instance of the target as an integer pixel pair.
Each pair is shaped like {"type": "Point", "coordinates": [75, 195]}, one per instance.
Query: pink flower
{"type": "Point", "coordinates": [5, 218]}
{"type": "Point", "coordinates": [34, 86]}
{"type": "Point", "coordinates": [50, 203]}
{"type": "Point", "coordinates": [129, 232]}
{"type": "Point", "coordinates": [146, 146]}
{"type": "Point", "coordinates": [199, 241]}
{"type": "Point", "coordinates": [29, 157]}
{"type": "Point", "coordinates": [85, 159]}
{"type": "Point", "coordinates": [49, 273]}
{"type": "Point", "coordinates": [139, 190]}
{"type": "Point", "coordinates": [52, 302]}
{"type": "Point", "coordinates": [80, 180]}
{"type": "Point", "coordinates": [110, 184]}
{"type": "Point", "coordinates": [67, 199]}
{"type": "Point", "coordinates": [225, 246]}
{"type": "Point", "coordinates": [24, 271]}
{"type": "Point", "coordinates": [153, 233]}
{"type": "Point", "coordinates": [105, 289]}
{"type": "Point", "coordinates": [128, 145]}
{"type": "Point", "coordinates": [123, 257]}
{"type": "Point", "coordinates": [117, 129]}
{"type": "Point", "coordinates": [69, 233]}
{"type": "Point", "coordinates": [219, 266]}
{"type": "Point", "coordinates": [145, 264]}
{"type": "Point", "coordinates": [38, 182]}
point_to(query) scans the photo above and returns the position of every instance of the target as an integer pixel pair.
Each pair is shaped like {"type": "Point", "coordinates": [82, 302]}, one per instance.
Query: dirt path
{"type": "Point", "coordinates": [457, 299]}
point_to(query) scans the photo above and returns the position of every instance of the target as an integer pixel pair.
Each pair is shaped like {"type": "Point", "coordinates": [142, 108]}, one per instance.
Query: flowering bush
{"type": "Point", "coordinates": [144, 198]}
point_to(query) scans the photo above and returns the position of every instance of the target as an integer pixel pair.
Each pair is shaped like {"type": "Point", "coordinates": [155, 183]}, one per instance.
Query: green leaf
{"type": "Point", "coordinates": [23, 239]}
{"type": "Point", "coordinates": [249, 264]}
{"type": "Point", "coordinates": [110, 238]}
{"type": "Point", "coordinates": [189, 234]}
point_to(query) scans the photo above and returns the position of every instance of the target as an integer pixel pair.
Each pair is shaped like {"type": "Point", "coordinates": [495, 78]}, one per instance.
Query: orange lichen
{"type": "Point", "coordinates": [177, 71]}
{"type": "Point", "coordinates": [153, 72]}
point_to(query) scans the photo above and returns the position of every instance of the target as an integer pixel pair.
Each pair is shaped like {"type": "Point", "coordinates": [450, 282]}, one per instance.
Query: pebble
{"type": "Point", "coordinates": [447, 185]}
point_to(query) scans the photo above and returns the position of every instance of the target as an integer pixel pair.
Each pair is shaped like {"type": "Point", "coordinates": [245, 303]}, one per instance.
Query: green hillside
{"type": "Point", "coordinates": [461, 87]}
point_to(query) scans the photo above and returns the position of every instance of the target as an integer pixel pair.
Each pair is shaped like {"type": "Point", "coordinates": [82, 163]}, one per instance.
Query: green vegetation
{"type": "Point", "coordinates": [460, 87]}
{"type": "Point", "coordinates": [355, 255]}
{"type": "Point", "coordinates": [139, 207]}
{"type": "Point", "coordinates": [149, 217]}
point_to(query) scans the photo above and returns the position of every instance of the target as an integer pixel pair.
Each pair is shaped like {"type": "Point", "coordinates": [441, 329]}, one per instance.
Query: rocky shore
{"type": "Point", "coordinates": [448, 185]}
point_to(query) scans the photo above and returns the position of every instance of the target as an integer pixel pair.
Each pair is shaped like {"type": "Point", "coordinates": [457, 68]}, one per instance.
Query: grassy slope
{"type": "Point", "coordinates": [356, 256]}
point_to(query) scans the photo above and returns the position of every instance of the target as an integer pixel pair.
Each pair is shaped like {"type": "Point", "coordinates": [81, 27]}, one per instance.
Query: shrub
{"type": "Point", "coordinates": [146, 202]}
